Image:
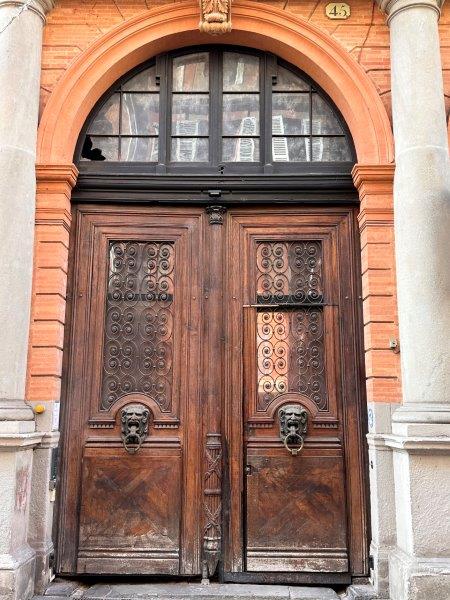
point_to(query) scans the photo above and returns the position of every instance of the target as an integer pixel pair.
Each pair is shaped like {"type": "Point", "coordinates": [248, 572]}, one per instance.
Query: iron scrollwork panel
{"type": "Point", "coordinates": [290, 324]}
{"type": "Point", "coordinates": [138, 342]}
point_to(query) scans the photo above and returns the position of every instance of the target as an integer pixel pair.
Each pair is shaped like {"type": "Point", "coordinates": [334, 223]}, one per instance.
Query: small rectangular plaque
{"type": "Point", "coordinates": [337, 10]}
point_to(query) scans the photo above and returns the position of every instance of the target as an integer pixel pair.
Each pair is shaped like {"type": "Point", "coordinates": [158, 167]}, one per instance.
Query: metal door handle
{"type": "Point", "coordinates": [300, 442]}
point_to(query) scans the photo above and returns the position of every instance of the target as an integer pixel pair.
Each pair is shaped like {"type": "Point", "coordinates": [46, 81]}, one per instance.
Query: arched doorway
{"type": "Point", "coordinates": [213, 399]}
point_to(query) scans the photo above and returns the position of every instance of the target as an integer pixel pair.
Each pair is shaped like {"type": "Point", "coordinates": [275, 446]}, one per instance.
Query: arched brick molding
{"type": "Point", "coordinates": [162, 29]}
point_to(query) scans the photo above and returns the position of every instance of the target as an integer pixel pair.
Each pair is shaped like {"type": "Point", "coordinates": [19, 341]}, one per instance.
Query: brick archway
{"type": "Point", "coordinates": [255, 25]}
{"type": "Point", "coordinates": [162, 29]}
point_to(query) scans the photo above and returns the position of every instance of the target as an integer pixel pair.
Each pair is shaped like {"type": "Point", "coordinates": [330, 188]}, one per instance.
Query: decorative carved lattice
{"type": "Point", "coordinates": [212, 503]}
{"type": "Point", "coordinates": [291, 355]}
{"type": "Point", "coordinates": [289, 272]}
{"type": "Point", "coordinates": [138, 343]}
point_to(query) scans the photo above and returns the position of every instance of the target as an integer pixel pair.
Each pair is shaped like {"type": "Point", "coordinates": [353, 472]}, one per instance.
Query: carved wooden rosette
{"type": "Point", "coordinates": [215, 16]}
{"type": "Point", "coordinates": [212, 503]}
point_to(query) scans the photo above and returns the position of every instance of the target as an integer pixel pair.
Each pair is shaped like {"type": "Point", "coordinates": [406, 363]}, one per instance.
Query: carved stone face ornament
{"type": "Point", "coordinates": [293, 426]}
{"type": "Point", "coordinates": [215, 16]}
{"type": "Point", "coordinates": [134, 421]}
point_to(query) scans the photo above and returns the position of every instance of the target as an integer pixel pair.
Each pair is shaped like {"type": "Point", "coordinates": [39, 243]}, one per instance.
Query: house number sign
{"type": "Point", "coordinates": [337, 10]}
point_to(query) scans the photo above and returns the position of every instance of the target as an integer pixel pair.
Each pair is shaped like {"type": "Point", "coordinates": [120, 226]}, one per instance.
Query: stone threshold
{"type": "Point", "coordinates": [62, 590]}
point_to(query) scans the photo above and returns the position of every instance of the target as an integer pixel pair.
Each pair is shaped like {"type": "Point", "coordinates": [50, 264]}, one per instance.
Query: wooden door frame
{"type": "Point", "coordinates": [213, 337]}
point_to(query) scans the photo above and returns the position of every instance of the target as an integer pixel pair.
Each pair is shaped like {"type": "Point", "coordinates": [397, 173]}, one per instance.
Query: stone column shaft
{"type": "Point", "coordinates": [421, 209]}
{"type": "Point", "coordinates": [21, 27]}
{"type": "Point", "coordinates": [419, 565]}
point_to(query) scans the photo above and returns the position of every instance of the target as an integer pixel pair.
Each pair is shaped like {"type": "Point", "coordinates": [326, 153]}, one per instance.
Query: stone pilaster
{"type": "Point", "coordinates": [21, 27]}
{"type": "Point", "coordinates": [420, 438]}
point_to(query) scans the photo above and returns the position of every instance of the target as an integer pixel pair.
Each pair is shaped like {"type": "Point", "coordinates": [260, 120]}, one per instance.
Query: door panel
{"type": "Point", "coordinates": [133, 370]}
{"type": "Point", "coordinates": [294, 305]}
{"type": "Point", "coordinates": [296, 517]}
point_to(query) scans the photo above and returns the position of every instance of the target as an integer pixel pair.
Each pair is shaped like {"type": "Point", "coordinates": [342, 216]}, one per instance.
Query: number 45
{"type": "Point", "coordinates": [337, 10]}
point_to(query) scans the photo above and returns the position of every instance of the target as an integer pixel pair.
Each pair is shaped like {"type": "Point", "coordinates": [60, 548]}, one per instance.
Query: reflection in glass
{"type": "Point", "coordinates": [291, 149]}
{"type": "Point", "coordinates": [191, 73]}
{"type": "Point", "coordinates": [140, 114]}
{"type": "Point", "coordinates": [145, 81]}
{"type": "Point", "coordinates": [290, 355]}
{"type": "Point", "coordinates": [240, 149]}
{"type": "Point", "coordinates": [290, 113]}
{"type": "Point", "coordinates": [100, 148]}
{"type": "Point", "coordinates": [106, 120]}
{"type": "Point", "coordinates": [190, 114]}
{"type": "Point", "coordinates": [240, 114]}
{"type": "Point", "coordinates": [324, 120]}
{"type": "Point", "coordinates": [139, 149]}
{"type": "Point", "coordinates": [287, 81]}
{"type": "Point", "coordinates": [190, 149]}
{"type": "Point", "coordinates": [240, 72]}
{"type": "Point", "coordinates": [330, 149]}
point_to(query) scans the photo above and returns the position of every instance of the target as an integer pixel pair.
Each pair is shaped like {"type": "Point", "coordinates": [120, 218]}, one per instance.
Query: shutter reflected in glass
{"type": "Point", "coordinates": [190, 109]}
{"type": "Point", "coordinates": [216, 109]}
{"type": "Point", "coordinates": [240, 108]}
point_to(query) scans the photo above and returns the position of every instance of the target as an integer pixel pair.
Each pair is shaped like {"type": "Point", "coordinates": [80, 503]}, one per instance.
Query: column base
{"type": "Point", "coordinates": [418, 578]}
{"type": "Point", "coordinates": [17, 575]}
{"type": "Point", "coordinates": [15, 410]}
{"type": "Point", "coordinates": [423, 414]}
{"type": "Point", "coordinates": [379, 574]}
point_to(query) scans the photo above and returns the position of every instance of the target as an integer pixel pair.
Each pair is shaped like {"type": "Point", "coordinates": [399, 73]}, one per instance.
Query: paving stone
{"type": "Point", "coordinates": [187, 591]}
{"type": "Point", "coordinates": [312, 593]}
{"type": "Point", "coordinates": [46, 597]}
{"type": "Point", "coordinates": [62, 587]}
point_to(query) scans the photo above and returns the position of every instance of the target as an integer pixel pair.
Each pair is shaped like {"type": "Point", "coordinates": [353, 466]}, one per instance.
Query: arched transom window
{"type": "Point", "coordinates": [216, 109]}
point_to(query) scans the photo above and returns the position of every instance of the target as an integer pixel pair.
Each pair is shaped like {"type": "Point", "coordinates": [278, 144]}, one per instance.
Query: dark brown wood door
{"type": "Point", "coordinates": [296, 487]}
{"type": "Point", "coordinates": [132, 370]}
{"type": "Point", "coordinates": [201, 345]}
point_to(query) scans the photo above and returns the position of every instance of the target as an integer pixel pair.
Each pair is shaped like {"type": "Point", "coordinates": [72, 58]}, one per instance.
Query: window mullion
{"type": "Point", "coordinates": [269, 72]}
{"type": "Point", "coordinates": [215, 107]}
{"type": "Point", "coordinates": [163, 75]}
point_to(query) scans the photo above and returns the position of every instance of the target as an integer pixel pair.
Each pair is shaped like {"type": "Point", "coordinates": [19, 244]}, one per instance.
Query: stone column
{"type": "Point", "coordinates": [420, 565]}
{"type": "Point", "coordinates": [21, 28]}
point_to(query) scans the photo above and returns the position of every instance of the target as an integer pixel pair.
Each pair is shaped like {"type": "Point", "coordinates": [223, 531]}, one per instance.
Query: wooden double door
{"type": "Point", "coordinates": [212, 403]}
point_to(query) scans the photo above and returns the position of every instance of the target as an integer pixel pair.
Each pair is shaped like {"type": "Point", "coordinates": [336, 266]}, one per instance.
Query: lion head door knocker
{"type": "Point", "coordinates": [215, 16]}
{"type": "Point", "coordinates": [134, 420]}
{"type": "Point", "coordinates": [293, 427]}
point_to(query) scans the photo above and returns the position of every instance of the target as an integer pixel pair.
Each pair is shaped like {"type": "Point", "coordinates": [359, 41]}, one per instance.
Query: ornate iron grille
{"type": "Point", "coordinates": [290, 326]}
{"type": "Point", "coordinates": [138, 343]}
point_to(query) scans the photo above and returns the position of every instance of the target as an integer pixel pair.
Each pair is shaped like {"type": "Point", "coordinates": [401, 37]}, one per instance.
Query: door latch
{"type": "Point", "coordinates": [293, 427]}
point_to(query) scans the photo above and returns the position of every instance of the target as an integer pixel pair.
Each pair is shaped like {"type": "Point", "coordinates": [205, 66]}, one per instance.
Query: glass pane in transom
{"type": "Point", "coordinates": [324, 120]}
{"type": "Point", "coordinates": [240, 114]}
{"type": "Point", "coordinates": [190, 114]}
{"type": "Point", "coordinates": [145, 81]}
{"type": "Point", "coordinates": [290, 114]}
{"type": "Point", "coordinates": [106, 121]}
{"type": "Point", "coordinates": [287, 81]}
{"type": "Point", "coordinates": [140, 114]}
{"type": "Point", "coordinates": [191, 73]}
{"type": "Point", "coordinates": [240, 72]}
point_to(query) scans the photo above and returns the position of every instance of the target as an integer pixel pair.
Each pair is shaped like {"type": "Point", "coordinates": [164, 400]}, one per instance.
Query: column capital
{"type": "Point", "coordinates": [393, 7]}
{"type": "Point", "coordinates": [39, 7]}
